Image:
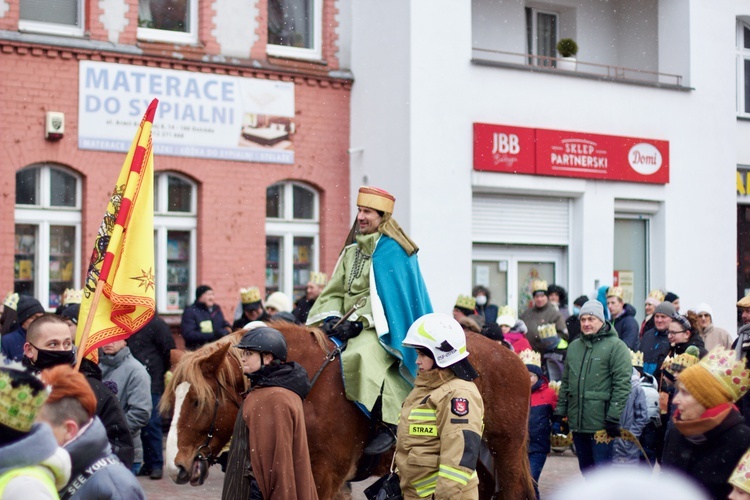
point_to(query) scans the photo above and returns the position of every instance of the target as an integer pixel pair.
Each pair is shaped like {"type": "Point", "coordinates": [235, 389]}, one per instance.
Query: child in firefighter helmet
{"type": "Point", "coordinates": [440, 428]}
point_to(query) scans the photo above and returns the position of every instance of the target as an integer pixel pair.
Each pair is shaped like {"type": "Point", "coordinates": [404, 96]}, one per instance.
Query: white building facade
{"type": "Point", "coordinates": [460, 106]}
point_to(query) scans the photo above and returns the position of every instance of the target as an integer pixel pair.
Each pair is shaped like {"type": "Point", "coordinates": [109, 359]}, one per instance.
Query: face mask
{"type": "Point", "coordinates": [47, 359]}
{"type": "Point", "coordinates": [481, 300]}
{"type": "Point", "coordinates": [576, 310]}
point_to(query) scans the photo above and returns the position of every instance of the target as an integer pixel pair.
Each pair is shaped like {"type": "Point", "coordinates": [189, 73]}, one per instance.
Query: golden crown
{"type": "Point", "coordinates": [320, 279]}
{"type": "Point", "coordinates": [530, 357]}
{"type": "Point", "coordinates": [72, 296]}
{"type": "Point", "coordinates": [466, 302]}
{"type": "Point", "coordinates": [555, 386]}
{"type": "Point", "coordinates": [657, 294]}
{"type": "Point", "coordinates": [675, 364]}
{"type": "Point", "coordinates": [561, 440]}
{"type": "Point", "coordinates": [507, 311]}
{"type": "Point", "coordinates": [615, 291]}
{"type": "Point", "coordinates": [249, 295]}
{"type": "Point", "coordinates": [11, 301]}
{"type": "Point", "coordinates": [539, 286]}
{"type": "Point", "coordinates": [19, 404]}
{"type": "Point", "coordinates": [729, 371]}
{"type": "Point", "coordinates": [547, 331]}
{"type": "Point", "coordinates": [636, 358]}
{"type": "Point", "coordinates": [741, 475]}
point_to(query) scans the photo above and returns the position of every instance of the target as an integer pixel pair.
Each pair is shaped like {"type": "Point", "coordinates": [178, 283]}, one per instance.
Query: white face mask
{"type": "Point", "coordinates": [481, 300]}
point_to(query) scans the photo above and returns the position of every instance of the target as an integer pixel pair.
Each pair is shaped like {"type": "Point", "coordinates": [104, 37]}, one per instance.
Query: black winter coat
{"type": "Point", "coordinates": [627, 327]}
{"type": "Point", "coordinates": [192, 318]}
{"type": "Point", "coordinates": [151, 346]}
{"type": "Point", "coordinates": [711, 462]}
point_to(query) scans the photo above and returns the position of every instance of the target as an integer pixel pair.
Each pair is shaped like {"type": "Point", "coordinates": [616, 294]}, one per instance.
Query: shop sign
{"type": "Point", "coordinates": [200, 115]}
{"type": "Point", "coordinates": [570, 154]}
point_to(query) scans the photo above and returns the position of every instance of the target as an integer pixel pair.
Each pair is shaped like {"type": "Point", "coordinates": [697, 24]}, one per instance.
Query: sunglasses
{"type": "Point", "coordinates": [704, 315]}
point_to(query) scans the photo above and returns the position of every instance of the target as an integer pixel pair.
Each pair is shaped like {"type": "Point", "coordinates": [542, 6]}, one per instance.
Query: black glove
{"type": "Point", "coordinates": [559, 425]}
{"type": "Point", "coordinates": [612, 429]}
{"type": "Point", "coordinates": [345, 331]}
{"type": "Point", "coordinates": [327, 326]}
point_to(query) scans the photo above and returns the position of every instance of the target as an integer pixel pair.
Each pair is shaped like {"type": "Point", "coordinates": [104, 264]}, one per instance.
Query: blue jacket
{"type": "Point", "coordinates": [193, 316]}
{"type": "Point", "coordinates": [543, 402]}
{"type": "Point", "coordinates": [627, 327]}
{"type": "Point", "coordinates": [12, 344]}
{"type": "Point", "coordinates": [654, 346]}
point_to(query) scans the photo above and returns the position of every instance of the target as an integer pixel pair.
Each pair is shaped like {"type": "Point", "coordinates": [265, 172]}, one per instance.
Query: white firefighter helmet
{"type": "Point", "coordinates": [441, 335]}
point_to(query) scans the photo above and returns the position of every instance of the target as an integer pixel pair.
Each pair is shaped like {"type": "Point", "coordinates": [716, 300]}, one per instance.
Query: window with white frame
{"type": "Point", "coordinates": [292, 232]}
{"type": "Point", "coordinates": [168, 21]}
{"type": "Point", "coordinates": [57, 17]}
{"type": "Point", "coordinates": [541, 36]}
{"type": "Point", "coordinates": [47, 249]}
{"type": "Point", "coordinates": [175, 223]}
{"type": "Point", "coordinates": [743, 67]}
{"type": "Point", "coordinates": [295, 28]}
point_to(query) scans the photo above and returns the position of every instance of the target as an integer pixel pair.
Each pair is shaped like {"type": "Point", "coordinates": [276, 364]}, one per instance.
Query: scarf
{"type": "Point", "coordinates": [695, 430]}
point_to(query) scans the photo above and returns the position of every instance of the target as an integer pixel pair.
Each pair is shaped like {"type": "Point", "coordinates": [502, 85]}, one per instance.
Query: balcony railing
{"type": "Point", "coordinates": [581, 68]}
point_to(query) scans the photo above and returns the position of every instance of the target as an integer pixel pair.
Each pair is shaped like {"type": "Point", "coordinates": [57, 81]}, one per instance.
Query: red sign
{"type": "Point", "coordinates": [571, 154]}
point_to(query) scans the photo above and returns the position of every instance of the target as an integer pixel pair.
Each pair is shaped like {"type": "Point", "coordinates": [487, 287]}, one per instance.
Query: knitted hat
{"type": "Point", "coordinates": [376, 198]}
{"type": "Point", "coordinates": [704, 308]}
{"type": "Point", "coordinates": [71, 312]}
{"type": "Point", "coordinates": [671, 297]}
{"type": "Point", "coordinates": [666, 308]}
{"type": "Point", "coordinates": [593, 308]}
{"type": "Point", "coordinates": [201, 290]}
{"type": "Point", "coordinates": [718, 378]}
{"type": "Point", "coordinates": [741, 475]}
{"type": "Point", "coordinates": [27, 307]}
{"type": "Point", "coordinates": [653, 301]}
{"type": "Point", "coordinates": [279, 301]}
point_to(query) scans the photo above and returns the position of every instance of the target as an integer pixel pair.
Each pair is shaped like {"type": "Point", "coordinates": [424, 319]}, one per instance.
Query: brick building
{"type": "Point", "coordinates": [251, 139]}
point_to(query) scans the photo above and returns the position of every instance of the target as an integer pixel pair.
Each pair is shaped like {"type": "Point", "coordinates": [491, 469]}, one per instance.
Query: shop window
{"type": "Point", "coordinates": [743, 68]}
{"type": "Point", "coordinates": [47, 249]}
{"type": "Point", "coordinates": [292, 229]}
{"type": "Point", "coordinates": [175, 223]}
{"type": "Point", "coordinates": [168, 20]}
{"type": "Point", "coordinates": [58, 17]}
{"type": "Point", "coordinates": [541, 36]}
{"type": "Point", "coordinates": [294, 28]}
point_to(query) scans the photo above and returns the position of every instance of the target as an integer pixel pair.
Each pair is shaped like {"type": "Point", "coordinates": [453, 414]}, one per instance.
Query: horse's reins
{"type": "Point", "coordinates": [332, 355]}
{"type": "Point", "coordinates": [210, 458]}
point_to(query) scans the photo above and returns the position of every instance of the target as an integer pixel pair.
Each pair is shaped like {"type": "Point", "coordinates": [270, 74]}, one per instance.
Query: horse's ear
{"type": "Point", "coordinates": [175, 355]}
{"type": "Point", "coordinates": [211, 364]}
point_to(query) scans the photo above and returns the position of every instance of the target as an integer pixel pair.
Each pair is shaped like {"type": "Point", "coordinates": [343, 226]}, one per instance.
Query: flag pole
{"type": "Point", "coordinates": [89, 322]}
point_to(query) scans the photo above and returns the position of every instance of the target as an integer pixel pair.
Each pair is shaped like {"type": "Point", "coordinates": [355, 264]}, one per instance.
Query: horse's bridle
{"type": "Point", "coordinates": [209, 457]}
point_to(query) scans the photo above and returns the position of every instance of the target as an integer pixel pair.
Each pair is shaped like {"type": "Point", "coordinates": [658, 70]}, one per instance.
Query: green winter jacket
{"type": "Point", "coordinates": [596, 381]}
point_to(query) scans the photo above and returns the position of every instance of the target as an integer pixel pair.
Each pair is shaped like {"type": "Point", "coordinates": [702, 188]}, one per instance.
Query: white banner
{"type": "Point", "coordinates": [200, 115]}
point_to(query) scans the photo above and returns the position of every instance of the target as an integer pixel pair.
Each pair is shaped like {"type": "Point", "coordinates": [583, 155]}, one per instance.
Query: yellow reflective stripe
{"type": "Point", "coordinates": [462, 349]}
{"type": "Point", "coordinates": [422, 414]}
{"type": "Point", "coordinates": [421, 331]}
{"type": "Point", "coordinates": [425, 486]}
{"type": "Point", "coordinates": [456, 475]}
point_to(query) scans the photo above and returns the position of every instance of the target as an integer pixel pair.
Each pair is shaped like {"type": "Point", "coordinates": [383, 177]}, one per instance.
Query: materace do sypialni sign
{"type": "Point", "coordinates": [559, 153]}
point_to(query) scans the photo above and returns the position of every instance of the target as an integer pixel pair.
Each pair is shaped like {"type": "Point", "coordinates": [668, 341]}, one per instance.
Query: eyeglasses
{"type": "Point", "coordinates": [704, 315]}
{"type": "Point", "coordinates": [670, 332]}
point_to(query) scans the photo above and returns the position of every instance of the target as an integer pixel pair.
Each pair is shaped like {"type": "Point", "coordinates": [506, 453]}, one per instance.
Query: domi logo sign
{"type": "Point", "coordinates": [644, 158]}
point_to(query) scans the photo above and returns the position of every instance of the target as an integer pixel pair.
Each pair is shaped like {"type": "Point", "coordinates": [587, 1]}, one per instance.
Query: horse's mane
{"type": "Point", "coordinates": [189, 370]}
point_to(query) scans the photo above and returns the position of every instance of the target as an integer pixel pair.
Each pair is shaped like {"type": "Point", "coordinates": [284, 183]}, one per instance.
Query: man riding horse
{"type": "Point", "coordinates": [378, 263]}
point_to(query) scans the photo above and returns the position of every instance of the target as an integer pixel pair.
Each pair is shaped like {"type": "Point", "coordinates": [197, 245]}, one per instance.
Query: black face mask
{"type": "Point", "coordinates": [47, 359]}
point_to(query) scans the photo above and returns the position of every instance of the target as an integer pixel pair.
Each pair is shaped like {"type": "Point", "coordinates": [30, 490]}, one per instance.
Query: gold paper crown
{"type": "Point", "coordinates": [320, 279]}
{"type": "Point", "coordinates": [561, 440]}
{"type": "Point", "coordinates": [249, 295]}
{"type": "Point", "coordinates": [615, 291]}
{"type": "Point", "coordinates": [466, 302]}
{"type": "Point", "coordinates": [375, 198]}
{"type": "Point", "coordinates": [729, 371]}
{"type": "Point", "coordinates": [507, 311]}
{"type": "Point", "coordinates": [675, 364]}
{"type": "Point", "coordinates": [530, 357]}
{"type": "Point", "coordinates": [539, 286]}
{"type": "Point", "coordinates": [11, 301]}
{"type": "Point", "coordinates": [555, 386]}
{"type": "Point", "coordinates": [657, 294]}
{"type": "Point", "coordinates": [19, 405]}
{"type": "Point", "coordinates": [741, 475]}
{"type": "Point", "coordinates": [72, 296]}
{"type": "Point", "coordinates": [636, 358]}
{"type": "Point", "coordinates": [547, 331]}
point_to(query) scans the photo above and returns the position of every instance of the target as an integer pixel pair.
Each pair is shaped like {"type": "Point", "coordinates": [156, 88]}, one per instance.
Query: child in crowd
{"type": "Point", "coordinates": [634, 417]}
{"type": "Point", "coordinates": [543, 403]}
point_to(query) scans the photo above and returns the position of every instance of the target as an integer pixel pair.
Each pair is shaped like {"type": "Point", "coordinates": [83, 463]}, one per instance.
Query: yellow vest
{"type": "Point", "coordinates": [35, 471]}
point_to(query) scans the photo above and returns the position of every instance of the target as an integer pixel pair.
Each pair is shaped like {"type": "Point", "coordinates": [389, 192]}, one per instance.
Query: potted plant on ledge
{"type": "Point", "coordinates": [567, 48]}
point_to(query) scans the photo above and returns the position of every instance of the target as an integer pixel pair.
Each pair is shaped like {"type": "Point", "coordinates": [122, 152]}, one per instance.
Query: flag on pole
{"type": "Point", "coordinates": [119, 296]}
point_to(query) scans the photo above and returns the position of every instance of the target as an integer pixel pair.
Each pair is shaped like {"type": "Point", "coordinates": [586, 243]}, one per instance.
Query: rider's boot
{"type": "Point", "coordinates": [383, 441]}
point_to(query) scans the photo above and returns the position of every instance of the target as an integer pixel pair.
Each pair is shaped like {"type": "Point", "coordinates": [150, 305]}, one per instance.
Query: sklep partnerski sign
{"type": "Point", "coordinates": [520, 150]}
{"type": "Point", "coordinates": [200, 115]}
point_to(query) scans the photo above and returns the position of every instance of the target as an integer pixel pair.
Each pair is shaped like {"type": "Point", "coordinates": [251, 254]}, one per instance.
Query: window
{"type": "Point", "coordinates": [541, 36]}
{"type": "Point", "coordinates": [743, 67]}
{"type": "Point", "coordinates": [294, 28]}
{"type": "Point", "coordinates": [47, 249]}
{"type": "Point", "coordinates": [58, 17]}
{"type": "Point", "coordinates": [168, 21]}
{"type": "Point", "coordinates": [175, 223]}
{"type": "Point", "coordinates": [292, 228]}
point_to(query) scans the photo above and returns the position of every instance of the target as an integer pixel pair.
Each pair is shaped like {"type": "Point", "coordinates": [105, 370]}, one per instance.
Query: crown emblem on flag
{"type": "Point", "coordinates": [11, 301]}
{"type": "Point", "coordinates": [636, 358]}
{"type": "Point", "coordinates": [72, 296]}
{"type": "Point", "coordinates": [250, 295]}
{"type": "Point", "coordinates": [320, 279]}
{"type": "Point", "coordinates": [19, 402]}
{"type": "Point", "coordinates": [729, 371]}
{"type": "Point", "coordinates": [530, 357]}
{"type": "Point", "coordinates": [466, 302]}
{"type": "Point", "coordinates": [547, 331]}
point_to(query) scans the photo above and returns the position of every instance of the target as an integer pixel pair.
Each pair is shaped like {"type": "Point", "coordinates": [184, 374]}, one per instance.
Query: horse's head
{"type": "Point", "coordinates": [205, 395]}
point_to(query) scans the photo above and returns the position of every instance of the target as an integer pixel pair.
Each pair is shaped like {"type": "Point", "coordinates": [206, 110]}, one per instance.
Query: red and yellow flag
{"type": "Point", "coordinates": [122, 262]}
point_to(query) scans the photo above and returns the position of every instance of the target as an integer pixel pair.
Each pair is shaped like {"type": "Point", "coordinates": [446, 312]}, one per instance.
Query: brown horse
{"type": "Point", "coordinates": [205, 395]}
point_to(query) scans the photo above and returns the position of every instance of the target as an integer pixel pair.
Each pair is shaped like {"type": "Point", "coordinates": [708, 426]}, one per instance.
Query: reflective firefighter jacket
{"type": "Point", "coordinates": [438, 437]}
